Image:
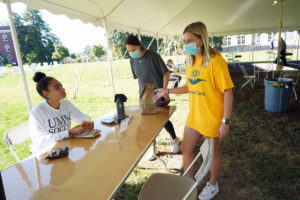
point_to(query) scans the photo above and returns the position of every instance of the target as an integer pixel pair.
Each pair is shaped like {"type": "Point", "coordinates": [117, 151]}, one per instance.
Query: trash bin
{"type": "Point", "coordinates": [277, 94]}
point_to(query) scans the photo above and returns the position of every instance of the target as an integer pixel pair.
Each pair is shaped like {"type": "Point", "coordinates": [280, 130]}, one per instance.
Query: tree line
{"type": "Point", "coordinates": [38, 44]}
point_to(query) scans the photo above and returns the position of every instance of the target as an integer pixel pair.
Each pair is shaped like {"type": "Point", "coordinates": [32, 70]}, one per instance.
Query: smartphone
{"type": "Point", "coordinates": [163, 99]}
{"type": "Point", "coordinates": [108, 121]}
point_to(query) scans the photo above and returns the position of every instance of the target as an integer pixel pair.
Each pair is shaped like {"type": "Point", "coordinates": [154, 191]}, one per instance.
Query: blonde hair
{"type": "Point", "coordinates": [199, 29]}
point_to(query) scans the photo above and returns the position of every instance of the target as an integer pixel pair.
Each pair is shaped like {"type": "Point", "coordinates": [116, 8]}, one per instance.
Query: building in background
{"type": "Point", "coordinates": [258, 41]}
{"type": "Point", "coordinates": [7, 46]}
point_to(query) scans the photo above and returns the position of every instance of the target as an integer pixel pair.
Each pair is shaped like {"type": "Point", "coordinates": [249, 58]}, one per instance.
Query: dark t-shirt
{"type": "Point", "coordinates": [150, 68]}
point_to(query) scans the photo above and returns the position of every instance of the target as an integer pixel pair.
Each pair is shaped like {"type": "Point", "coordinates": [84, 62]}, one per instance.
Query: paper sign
{"type": "Point", "coordinates": [124, 124]}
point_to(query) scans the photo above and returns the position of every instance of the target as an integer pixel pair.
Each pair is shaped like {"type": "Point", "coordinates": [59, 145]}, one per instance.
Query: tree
{"type": "Point", "coordinates": [97, 51]}
{"type": "Point", "coordinates": [35, 37]}
{"type": "Point", "coordinates": [60, 52]}
{"type": "Point", "coordinates": [73, 55]}
{"type": "Point", "coordinates": [87, 50]}
{"type": "Point", "coordinates": [3, 60]}
{"type": "Point", "coordinates": [216, 43]}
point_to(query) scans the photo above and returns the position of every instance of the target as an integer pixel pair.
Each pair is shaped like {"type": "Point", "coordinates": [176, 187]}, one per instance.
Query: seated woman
{"type": "Point", "coordinates": [50, 121]}
{"type": "Point", "coordinates": [173, 76]}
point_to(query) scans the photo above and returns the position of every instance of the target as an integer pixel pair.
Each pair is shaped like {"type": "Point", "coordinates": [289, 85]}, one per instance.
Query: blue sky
{"type": "Point", "coordinates": [74, 34]}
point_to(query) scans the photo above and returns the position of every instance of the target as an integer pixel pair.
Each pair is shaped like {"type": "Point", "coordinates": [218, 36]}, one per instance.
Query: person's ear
{"type": "Point", "coordinates": [45, 93]}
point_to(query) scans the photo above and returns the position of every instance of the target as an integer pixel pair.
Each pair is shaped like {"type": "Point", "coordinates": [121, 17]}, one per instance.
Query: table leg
{"type": "Point", "coordinates": [154, 153]}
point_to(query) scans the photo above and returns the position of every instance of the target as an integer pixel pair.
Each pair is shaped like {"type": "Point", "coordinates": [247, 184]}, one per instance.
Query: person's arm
{"type": "Point", "coordinates": [40, 136]}
{"type": "Point", "coordinates": [228, 101]}
{"type": "Point", "coordinates": [163, 92]}
{"type": "Point", "coordinates": [166, 79]}
{"type": "Point", "coordinates": [78, 117]}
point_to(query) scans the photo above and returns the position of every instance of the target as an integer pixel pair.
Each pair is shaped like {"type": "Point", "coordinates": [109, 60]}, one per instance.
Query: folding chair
{"type": "Point", "coordinates": [288, 74]}
{"type": "Point", "coordinates": [16, 136]}
{"type": "Point", "coordinates": [250, 78]}
{"type": "Point", "coordinates": [169, 186]}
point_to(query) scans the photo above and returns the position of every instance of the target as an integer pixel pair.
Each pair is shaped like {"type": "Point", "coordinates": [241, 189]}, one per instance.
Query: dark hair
{"type": "Point", "coordinates": [134, 40]}
{"type": "Point", "coordinates": [42, 82]}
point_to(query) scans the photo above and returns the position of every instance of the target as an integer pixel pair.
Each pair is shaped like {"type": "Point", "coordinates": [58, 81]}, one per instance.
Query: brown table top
{"type": "Point", "coordinates": [94, 169]}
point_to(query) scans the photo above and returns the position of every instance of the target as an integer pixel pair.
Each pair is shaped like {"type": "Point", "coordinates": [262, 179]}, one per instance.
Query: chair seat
{"type": "Point", "coordinates": [167, 186]}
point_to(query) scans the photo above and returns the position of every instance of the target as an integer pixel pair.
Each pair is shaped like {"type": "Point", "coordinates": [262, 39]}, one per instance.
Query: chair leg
{"type": "Point", "coordinates": [294, 91]}
{"type": "Point", "coordinates": [249, 81]}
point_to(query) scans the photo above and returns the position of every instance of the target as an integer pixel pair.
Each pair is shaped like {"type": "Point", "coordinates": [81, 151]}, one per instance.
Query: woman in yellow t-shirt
{"type": "Point", "coordinates": [209, 86]}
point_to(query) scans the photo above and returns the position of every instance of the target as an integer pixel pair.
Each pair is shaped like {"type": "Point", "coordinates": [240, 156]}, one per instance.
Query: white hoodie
{"type": "Point", "coordinates": [48, 125]}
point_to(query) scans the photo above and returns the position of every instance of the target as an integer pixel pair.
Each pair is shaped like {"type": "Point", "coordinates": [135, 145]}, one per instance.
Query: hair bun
{"type": "Point", "coordinates": [38, 76]}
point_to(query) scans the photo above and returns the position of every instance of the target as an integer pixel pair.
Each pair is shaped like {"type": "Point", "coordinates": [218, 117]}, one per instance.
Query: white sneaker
{"type": "Point", "coordinates": [209, 192]}
{"type": "Point", "coordinates": [174, 146]}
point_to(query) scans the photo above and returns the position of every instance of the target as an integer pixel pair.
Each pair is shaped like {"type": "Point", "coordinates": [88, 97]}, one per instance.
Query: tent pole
{"type": "Point", "coordinates": [109, 58]}
{"type": "Point", "coordinates": [18, 54]}
{"type": "Point", "coordinates": [139, 35]}
{"type": "Point", "coordinates": [175, 48]}
{"type": "Point", "coordinates": [298, 44]}
{"type": "Point", "coordinates": [150, 42]}
{"type": "Point", "coordinates": [252, 47]}
{"type": "Point", "coordinates": [279, 32]}
{"type": "Point", "coordinates": [157, 44]}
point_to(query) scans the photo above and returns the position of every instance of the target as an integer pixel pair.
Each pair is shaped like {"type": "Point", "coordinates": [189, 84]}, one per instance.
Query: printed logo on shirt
{"type": "Point", "coordinates": [140, 61]}
{"type": "Point", "coordinates": [59, 124]}
{"type": "Point", "coordinates": [194, 77]}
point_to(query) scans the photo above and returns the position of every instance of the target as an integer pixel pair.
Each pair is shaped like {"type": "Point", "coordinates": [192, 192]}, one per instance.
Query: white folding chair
{"type": "Point", "coordinates": [16, 136]}
{"type": "Point", "coordinates": [250, 78]}
{"type": "Point", "coordinates": [290, 74]}
{"type": "Point", "coordinates": [15, 70]}
{"type": "Point", "coordinates": [170, 186]}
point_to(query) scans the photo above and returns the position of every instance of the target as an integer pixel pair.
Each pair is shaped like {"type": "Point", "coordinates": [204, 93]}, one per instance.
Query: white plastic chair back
{"type": "Point", "coordinates": [15, 70]}
{"type": "Point", "coordinates": [291, 74]}
{"type": "Point", "coordinates": [16, 136]}
{"type": "Point", "coordinates": [2, 70]}
{"type": "Point", "coordinates": [207, 152]}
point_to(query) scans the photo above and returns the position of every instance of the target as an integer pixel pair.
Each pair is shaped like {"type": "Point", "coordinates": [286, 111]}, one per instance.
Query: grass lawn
{"type": "Point", "coordinates": [260, 157]}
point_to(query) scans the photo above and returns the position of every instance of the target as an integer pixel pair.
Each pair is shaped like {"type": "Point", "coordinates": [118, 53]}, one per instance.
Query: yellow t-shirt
{"type": "Point", "coordinates": [206, 87]}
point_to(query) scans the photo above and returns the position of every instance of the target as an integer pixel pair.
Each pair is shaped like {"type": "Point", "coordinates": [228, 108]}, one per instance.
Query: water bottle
{"type": "Point", "coordinates": [120, 99]}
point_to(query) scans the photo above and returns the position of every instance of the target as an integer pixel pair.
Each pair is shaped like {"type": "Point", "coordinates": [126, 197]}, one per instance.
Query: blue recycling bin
{"type": "Point", "coordinates": [277, 94]}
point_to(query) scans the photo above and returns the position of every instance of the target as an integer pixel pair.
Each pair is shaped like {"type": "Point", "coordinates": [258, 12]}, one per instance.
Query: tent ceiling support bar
{"type": "Point", "coordinates": [150, 42]}
{"type": "Point", "coordinates": [112, 10]}
{"type": "Point", "coordinates": [109, 58]}
{"type": "Point", "coordinates": [175, 16]}
{"type": "Point", "coordinates": [160, 44]}
{"type": "Point", "coordinates": [18, 53]}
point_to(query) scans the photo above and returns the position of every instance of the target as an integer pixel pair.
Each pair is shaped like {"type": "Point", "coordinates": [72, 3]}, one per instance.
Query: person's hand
{"type": "Point", "coordinates": [161, 92]}
{"type": "Point", "coordinates": [77, 130]}
{"type": "Point", "coordinates": [223, 131]}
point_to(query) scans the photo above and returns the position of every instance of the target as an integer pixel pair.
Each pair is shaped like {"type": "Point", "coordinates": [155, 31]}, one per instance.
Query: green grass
{"type": "Point", "coordinates": [260, 157]}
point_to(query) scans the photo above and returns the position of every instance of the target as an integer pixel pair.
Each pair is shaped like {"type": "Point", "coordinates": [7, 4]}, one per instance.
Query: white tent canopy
{"type": "Point", "coordinates": [167, 18]}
